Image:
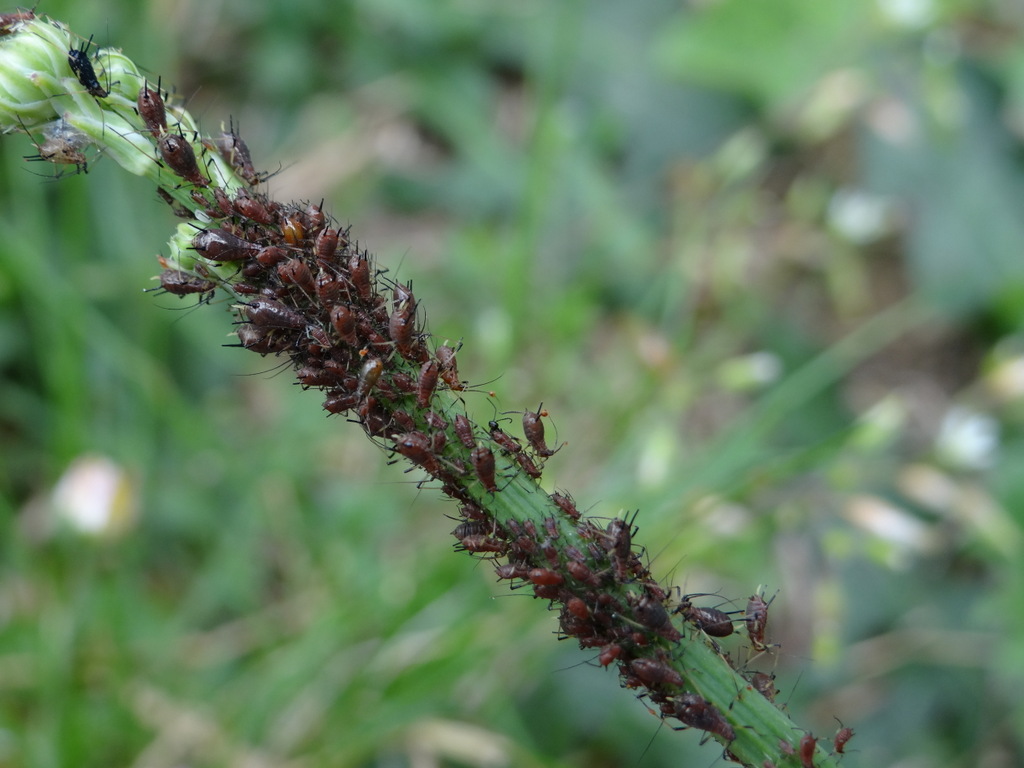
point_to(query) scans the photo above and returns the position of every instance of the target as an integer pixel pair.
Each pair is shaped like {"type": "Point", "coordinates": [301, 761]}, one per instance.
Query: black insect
{"type": "Point", "coordinates": [78, 60]}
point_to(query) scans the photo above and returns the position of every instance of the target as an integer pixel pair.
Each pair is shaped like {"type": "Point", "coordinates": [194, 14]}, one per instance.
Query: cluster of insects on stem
{"type": "Point", "coordinates": [305, 290]}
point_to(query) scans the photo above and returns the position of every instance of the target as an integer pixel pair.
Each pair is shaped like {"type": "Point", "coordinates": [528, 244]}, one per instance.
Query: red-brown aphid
{"type": "Point", "coordinates": [295, 272]}
{"type": "Point", "coordinates": [326, 245]}
{"type": "Point", "coordinates": [843, 735]}
{"type": "Point", "coordinates": [807, 745]}
{"type": "Point", "coordinates": [511, 571]}
{"type": "Point", "coordinates": [344, 323]}
{"type": "Point", "coordinates": [464, 430]}
{"type": "Point", "coordinates": [449, 367]}
{"type": "Point", "coordinates": [483, 465]}
{"type": "Point", "coordinates": [756, 619]}
{"type": "Point", "coordinates": [152, 110]}
{"type": "Point", "coordinates": [184, 283]}
{"type": "Point", "coordinates": [696, 712]}
{"type": "Point", "coordinates": [653, 672]}
{"type": "Point", "coordinates": [533, 428]}
{"type": "Point", "coordinates": [401, 326]}
{"type": "Point", "coordinates": [609, 653]}
{"type": "Point", "coordinates": [268, 313]}
{"type": "Point", "coordinates": [181, 158]}
{"type": "Point", "coordinates": [236, 153]}
{"type": "Point", "coordinates": [545, 577]}
{"type": "Point", "coordinates": [8, 20]}
{"type": "Point", "coordinates": [765, 685]}
{"type": "Point", "coordinates": [359, 269]}
{"type": "Point", "coordinates": [710, 621]}
{"type": "Point", "coordinates": [480, 544]}
{"type": "Point", "coordinates": [256, 209]}
{"type": "Point", "coordinates": [221, 245]}
{"type": "Point", "coordinates": [426, 384]}
{"type": "Point", "coordinates": [566, 504]}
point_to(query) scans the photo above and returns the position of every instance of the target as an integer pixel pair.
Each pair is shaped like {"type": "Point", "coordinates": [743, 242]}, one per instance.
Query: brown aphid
{"type": "Point", "coordinates": [359, 270]}
{"type": "Point", "coordinates": [426, 383]}
{"type": "Point", "coordinates": [765, 685]}
{"type": "Point", "coordinates": [62, 145]}
{"type": "Point", "coordinates": [318, 336]}
{"type": "Point", "coordinates": [479, 544]}
{"type": "Point", "coordinates": [373, 417]}
{"type": "Point", "coordinates": [221, 245]}
{"type": "Point", "coordinates": [314, 376]}
{"type": "Point", "coordinates": [756, 619]}
{"type": "Point", "coordinates": [8, 20]}
{"type": "Point", "coordinates": [533, 428]}
{"type": "Point", "coordinates": [807, 746]}
{"type": "Point", "coordinates": [483, 466]}
{"type": "Point", "coordinates": [472, 528]}
{"type": "Point", "coordinates": [368, 376]}
{"type": "Point", "coordinates": [464, 431]}
{"type": "Point", "coordinates": [694, 711]}
{"type": "Point", "coordinates": [340, 401]}
{"type": "Point", "coordinates": [326, 245]}
{"type": "Point", "coordinates": [581, 573]}
{"type": "Point", "coordinates": [620, 538]}
{"type": "Point", "coordinates": [511, 571]}
{"type": "Point", "coordinates": [236, 153]}
{"type": "Point", "coordinates": [295, 272]}
{"type": "Point", "coordinates": [566, 504]}
{"type": "Point", "coordinates": [609, 653]}
{"type": "Point", "coordinates": [261, 340]}
{"type": "Point", "coordinates": [272, 255]}
{"type": "Point", "coordinates": [179, 155]}
{"type": "Point", "coordinates": [405, 422]}
{"type": "Point", "coordinates": [435, 421]}
{"type": "Point", "coordinates": [401, 326]}
{"type": "Point", "coordinates": [577, 608]}
{"type": "Point", "coordinates": [330, 289]}
{"type": "Point", "coordinates": [710, 621]}
{"type": "Point", "coordinates": [315, 218]}
{"type": "Point", "coordinates": [269, 313]}
{"type": "Point", "coordinates": [253, 208]}
{"type": "Point", "coordinates": [504, 440]}
{"type": "Point", "coordinates": [545, 577]}
{"type": "Point", "coordinates": [449, 367]}
{"type": "Point", "coordinates": [651, 613]}
{"type": "Point", "coordinates": [344, 324]}
{"type": "Point", "coordinates": [184, 283]}
{"type": "Point", "coordinates": [843, 735]}
{"type": "Point", "coordinates": [653, 672]}
{"type": "Point", "coordinates": [528, 465]}
{"type": "Point", "coordinates": [415, 446]}
{"type": "Point", "coordinates": [152, 110]}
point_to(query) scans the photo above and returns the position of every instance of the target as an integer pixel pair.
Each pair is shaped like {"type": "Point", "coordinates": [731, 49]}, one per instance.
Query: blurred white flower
{"type": "Point", "coordinates": [967, 438]}
{"type": "Point", "coordinates": [95, 496]}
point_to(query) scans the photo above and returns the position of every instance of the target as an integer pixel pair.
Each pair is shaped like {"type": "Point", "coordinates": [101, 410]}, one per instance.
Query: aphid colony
{"type": "Point", "coordinates": [306, 290]}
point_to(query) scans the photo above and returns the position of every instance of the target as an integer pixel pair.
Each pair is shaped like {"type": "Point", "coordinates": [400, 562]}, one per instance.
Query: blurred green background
{"type": "Point", "coordinates": [762, 262]}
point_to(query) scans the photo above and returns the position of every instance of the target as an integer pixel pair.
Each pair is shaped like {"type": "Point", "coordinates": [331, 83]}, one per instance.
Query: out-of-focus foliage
{"type": "Point", "coordinates": [763, 263]}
